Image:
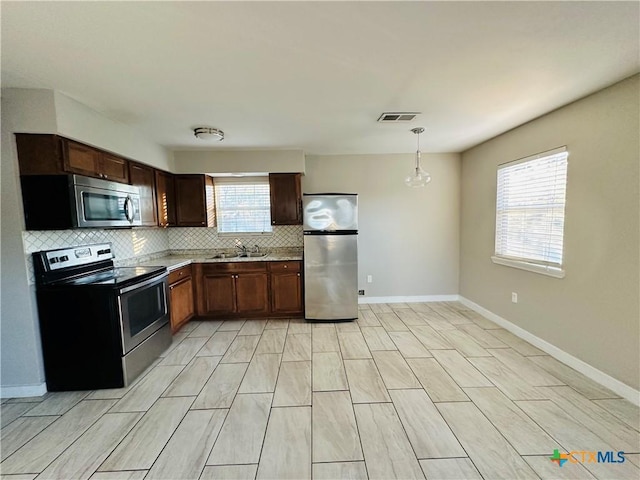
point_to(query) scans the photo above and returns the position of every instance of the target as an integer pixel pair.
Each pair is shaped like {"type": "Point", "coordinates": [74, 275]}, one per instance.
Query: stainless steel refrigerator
{"type": "Point", "coordinates": [330, 223]}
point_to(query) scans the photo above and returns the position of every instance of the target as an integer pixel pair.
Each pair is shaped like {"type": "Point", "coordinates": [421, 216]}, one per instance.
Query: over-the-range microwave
{"type": "Point", "coordinates": [58, 202]}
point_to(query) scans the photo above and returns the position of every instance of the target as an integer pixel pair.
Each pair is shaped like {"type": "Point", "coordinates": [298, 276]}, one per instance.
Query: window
{"type": "Point", "coordinates": [530, 212]}
{"type": "Point", "coordinates": [243, 205]}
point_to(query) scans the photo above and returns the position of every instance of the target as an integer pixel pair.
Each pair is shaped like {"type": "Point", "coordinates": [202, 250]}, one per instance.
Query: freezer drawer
{"type": "Point", "coordinates": [331, 277]}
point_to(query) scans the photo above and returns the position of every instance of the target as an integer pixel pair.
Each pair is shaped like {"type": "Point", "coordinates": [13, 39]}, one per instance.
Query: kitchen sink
{"type": "Point", "coordinates": [240, 255]}
{"type": "Point", "coordinates": [254, 254]}
{"type": "Point", "coordinates": [225, 255]}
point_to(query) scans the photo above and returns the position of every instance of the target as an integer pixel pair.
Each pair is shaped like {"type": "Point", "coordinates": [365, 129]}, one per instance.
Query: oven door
{"type": "Point", "coordinates": [143, 309]}
{"type": "Point", "coordinates": [103, 207]}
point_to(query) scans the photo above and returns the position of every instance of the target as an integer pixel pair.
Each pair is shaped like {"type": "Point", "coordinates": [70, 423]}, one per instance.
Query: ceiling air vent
{"type": "Point", "coordinates": [394, 117]}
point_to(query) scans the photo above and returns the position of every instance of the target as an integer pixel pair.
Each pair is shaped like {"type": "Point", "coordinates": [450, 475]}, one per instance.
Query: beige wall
{"type": "Point", "coordinates": [21, 359]}
{"type": "Point", "coordinates": [408, 238]}
{"type": "Point", "coordinates": [593, 313]}
{"type": "Point", "coordinates": [238, 161]}
{"type": "Point", "coordinates": [77, 121]}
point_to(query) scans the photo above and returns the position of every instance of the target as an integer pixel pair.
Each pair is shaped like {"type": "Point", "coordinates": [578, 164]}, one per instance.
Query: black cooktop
{"type": "Point", "coordinates": [117, 277]}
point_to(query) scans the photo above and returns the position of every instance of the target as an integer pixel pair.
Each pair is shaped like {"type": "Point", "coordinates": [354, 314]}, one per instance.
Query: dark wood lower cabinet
{"type": "Point", "coordinates": [286, 288]}
{"type": "Point", "coordinates": [218, 295]}
{"type": "Point", "coordinates": [252, 293]}
{"type": "Point", "coordinates": [181, 297]}
{"type": "Point", "coordinates": [248, 289]}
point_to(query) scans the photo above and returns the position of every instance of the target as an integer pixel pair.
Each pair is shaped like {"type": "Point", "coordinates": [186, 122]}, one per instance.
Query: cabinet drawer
{"type": "Point", "coordinates": [235, 267]}
{"type": "Point", "coordinates": [179, 274]}
{"type": "Point", "coordinates": [290, 266]}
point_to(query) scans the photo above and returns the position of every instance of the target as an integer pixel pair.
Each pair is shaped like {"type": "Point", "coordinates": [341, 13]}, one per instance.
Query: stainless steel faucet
{"type": "Point", "coordinates": [241, 248]}
{"type": "Point", "coordinates": [256, 249]}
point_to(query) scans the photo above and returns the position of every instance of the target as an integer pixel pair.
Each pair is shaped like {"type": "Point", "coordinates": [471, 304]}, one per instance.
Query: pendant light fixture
{"type": "Point", "coordinates": [417, 176]}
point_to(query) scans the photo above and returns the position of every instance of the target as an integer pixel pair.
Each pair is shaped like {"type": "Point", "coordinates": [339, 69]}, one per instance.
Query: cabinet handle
{"type": "Point", "coordinates": [286, 266]}
{"type": "Point", "coordinates": [298, 274]}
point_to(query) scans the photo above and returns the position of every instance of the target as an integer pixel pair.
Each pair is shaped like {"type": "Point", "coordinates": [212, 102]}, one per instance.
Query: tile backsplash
{"type": "Point", "coordinates": [146, 243]}
{"type": "Point", "coordinates": [126, 243]}
{"type": "Point", "coordinates": [206, 238]}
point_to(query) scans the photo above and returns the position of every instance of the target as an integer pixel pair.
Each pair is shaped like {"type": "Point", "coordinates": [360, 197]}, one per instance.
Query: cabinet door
{"type": "Point", "coordinates": [252, 293]}
{"type": "Point", "coordinates": [181, 294]}
{"type": "Point", "coordinates": [165, 199]}
{"type": "Point", "coordinates": [190, 201]}
{"type": "Point", "coordinates": [143, 177]}
{"type": "Point", "coordinates": [219, 294]}
{"type": "Point", "coordinates": [40, 154]}
{"type": "Point", "coordinates": [114, 168]}
{"type": "Point", "coordinates": [286, 292]}
{"type": "Point", "coordinates": [81, 159]}
{"type": "Point", "coordinates": [286, 198]}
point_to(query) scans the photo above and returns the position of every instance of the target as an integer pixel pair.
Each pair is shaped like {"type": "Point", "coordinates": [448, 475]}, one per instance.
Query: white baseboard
{"type": "Point", "coordinates": [410, 299]}
{"type": "Point", "coordinates": [593, 373]}
{"type": "Point", "coordinates": [23, 391]}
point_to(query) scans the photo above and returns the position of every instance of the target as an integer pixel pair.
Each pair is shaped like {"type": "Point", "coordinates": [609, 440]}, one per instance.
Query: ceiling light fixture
{"type": "Point", "coordinates": [417, 177]}
{"type": "Point", "coordinates": [209, 133]}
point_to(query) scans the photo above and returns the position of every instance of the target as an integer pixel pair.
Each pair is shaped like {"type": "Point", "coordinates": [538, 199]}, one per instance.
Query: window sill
{"type": "Point", "coordinates": [245, 234]}
{"type": "Point", "coordinates": [530, 267]}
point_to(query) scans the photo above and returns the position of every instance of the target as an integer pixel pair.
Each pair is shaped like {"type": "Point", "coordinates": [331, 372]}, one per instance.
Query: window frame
{"type": "Point", "coordinates": [534, 265]}
{"type": "Point", "coordinates": [219, 182]}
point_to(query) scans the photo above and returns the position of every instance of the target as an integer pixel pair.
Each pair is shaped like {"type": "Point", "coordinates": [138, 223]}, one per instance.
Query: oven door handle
{"type": "Point", "coordinates": [143, 284]}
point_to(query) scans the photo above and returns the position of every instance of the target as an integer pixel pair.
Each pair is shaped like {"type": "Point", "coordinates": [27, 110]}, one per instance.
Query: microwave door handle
{"type": "Point", "coordinates": [128, 204]}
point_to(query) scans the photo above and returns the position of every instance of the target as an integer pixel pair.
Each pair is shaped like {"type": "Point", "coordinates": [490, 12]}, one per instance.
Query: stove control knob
{"type": "Point", "coordinates": [64, 258]}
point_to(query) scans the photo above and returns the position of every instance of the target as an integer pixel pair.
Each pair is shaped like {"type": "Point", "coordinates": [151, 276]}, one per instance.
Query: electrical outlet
{"type": "Point", "coordinates": [360, 292]}
{"type": "Point", "coordinates": [369, 278]}
{"type": "Point", "coordinates": [514, 297]}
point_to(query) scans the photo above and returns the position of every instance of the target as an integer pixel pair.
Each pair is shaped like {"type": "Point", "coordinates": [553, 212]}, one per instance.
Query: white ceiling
{"type": "Point", "coordinates": [316, 75]}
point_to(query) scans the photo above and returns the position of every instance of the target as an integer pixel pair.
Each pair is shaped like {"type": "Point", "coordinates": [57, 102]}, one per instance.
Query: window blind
{"type": "Point", "coordinates": [243, 205]}
{"type": "Point", "coordinates": [530, 209]}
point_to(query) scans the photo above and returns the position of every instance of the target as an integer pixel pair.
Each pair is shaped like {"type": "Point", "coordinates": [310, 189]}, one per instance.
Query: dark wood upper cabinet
{"type": "Point", "coordinates": [80, 158]}
{"type": "Point", "coordinates": [39, 154]}
{"type": "Point", "coordinates": [286, 198]}
{"type": "Point", "coordinates": [194, 201]}
{"type": "Point", "coordinates": [85, 160]}
{"type": "Point", "coordinates": [114, 168]}
{"type": "Point", "coordinates": [165, 199]}
{"type": "Point", "coordinates": [45, 154]}
{"type": "Point", "coordinates": [144, 178]}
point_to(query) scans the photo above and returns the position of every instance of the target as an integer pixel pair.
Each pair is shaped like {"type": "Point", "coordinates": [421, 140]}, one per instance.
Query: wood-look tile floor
{"type": "Point", "coordinates": [407, 391]}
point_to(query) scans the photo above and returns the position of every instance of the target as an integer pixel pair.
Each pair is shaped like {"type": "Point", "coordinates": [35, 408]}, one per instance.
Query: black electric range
{"type": "Point", "coordinates": [101, 326]}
